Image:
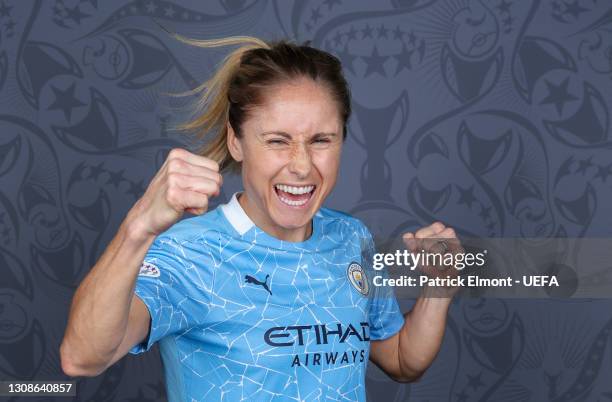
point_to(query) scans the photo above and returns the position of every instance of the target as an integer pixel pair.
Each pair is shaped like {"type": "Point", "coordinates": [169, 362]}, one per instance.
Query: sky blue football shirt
{"type": "Point", "coordinates": [241, 315]}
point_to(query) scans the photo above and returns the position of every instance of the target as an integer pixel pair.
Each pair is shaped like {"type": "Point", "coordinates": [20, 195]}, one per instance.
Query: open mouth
{"type": "Point", "coordinates": [294, 196]}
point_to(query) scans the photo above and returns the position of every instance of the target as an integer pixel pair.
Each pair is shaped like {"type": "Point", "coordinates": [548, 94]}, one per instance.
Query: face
{"type": "Point", "coordinates": [290, 152]}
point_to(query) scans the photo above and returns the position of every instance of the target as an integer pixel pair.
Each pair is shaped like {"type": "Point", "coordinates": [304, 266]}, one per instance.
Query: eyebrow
{"type": "Point", "coordinates": [288, 136]}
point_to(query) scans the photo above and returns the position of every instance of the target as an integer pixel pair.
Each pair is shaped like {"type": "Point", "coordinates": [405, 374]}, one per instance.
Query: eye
{"type": "Point", "coordinates": [321, 140]}
{"type": "Point", "coordinates": [276, 141]}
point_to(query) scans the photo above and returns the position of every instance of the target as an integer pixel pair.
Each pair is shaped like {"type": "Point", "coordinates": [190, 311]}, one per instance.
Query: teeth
{"type": "Point", "coordinates": [294, 189]}
{"type": "Point", "coordinates": [293, 203]}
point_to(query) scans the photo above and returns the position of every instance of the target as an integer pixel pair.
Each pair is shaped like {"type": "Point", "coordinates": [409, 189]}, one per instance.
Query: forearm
{"type": "Point", "coordinates": [421, 336]}
{"type": "Point", "coordinates": [100, 308]}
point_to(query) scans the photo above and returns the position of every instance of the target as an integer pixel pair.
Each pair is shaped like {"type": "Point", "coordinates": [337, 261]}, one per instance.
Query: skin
{"type": "Point", "coordinates": [294, 138]}
{"type": "Point", "coordinates": [302, 111]}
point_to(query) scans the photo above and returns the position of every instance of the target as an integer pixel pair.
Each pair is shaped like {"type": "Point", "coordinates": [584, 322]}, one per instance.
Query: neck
{"type": "Point", "coordinates": [299, 234]}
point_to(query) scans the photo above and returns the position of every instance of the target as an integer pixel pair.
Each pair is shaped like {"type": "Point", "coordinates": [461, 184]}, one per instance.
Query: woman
{"type": "Point", "coordinates": [268, 297]}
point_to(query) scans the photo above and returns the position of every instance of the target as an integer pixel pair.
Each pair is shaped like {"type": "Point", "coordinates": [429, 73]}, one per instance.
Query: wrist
{"type": "Point", "coordinates": [136, 231]}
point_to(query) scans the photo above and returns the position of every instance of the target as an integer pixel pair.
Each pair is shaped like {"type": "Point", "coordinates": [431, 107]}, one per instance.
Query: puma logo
{"type": "Point", "coordinates": [264, 284]}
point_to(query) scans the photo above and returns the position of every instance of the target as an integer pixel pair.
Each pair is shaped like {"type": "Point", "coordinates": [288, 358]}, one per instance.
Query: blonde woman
{"type": "Point", "coordinates": [267, 297]}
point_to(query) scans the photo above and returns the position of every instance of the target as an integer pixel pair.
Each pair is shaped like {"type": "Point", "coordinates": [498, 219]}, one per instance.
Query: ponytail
{"type": "Point", "coordinates": [212, 107]}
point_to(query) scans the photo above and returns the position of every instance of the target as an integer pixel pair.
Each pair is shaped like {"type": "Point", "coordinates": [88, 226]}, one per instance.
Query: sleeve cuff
{"type": "Point", "coordinates": [388, 330]}
{"type": "Point", "coordinates": [146, 344]}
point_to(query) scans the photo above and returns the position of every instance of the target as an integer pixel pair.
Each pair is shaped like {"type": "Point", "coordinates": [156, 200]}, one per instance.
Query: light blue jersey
{"type": "Point", "coordinates": [241, 315]}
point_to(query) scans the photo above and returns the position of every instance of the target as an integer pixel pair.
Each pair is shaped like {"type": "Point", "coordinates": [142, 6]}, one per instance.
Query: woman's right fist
{"type": "Point", "coordinates": [184, 183]}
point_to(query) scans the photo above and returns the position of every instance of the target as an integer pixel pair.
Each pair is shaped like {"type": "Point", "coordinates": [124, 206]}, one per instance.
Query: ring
{"type": "Point", "coordinates": [444, 244]}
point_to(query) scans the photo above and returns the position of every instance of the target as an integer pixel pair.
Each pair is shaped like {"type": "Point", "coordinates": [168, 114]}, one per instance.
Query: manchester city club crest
{"type": "Point", "coordinates": [358, 278]}
{"type": "Point", "coordinates": [148, 269]}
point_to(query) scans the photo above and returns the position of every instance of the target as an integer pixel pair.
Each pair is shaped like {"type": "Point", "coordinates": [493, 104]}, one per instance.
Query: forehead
{"type": "Point", "coordinates": [300, 107]}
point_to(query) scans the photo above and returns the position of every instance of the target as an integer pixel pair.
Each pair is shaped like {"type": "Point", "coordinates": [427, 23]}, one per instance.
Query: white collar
{"type": "Point", "coordinates": [236, 216]}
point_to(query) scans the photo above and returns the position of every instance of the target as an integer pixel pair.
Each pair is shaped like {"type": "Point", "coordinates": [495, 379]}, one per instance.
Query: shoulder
{"type": "Point", "coordinates": [337, 220]}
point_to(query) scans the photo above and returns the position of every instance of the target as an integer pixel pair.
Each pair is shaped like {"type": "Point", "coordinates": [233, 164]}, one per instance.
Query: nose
{"type": "Point", "coordinates": [300, 163]}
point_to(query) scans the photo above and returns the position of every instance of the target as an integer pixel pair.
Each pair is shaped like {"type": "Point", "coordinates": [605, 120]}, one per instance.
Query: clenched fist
{"type": "Point", "coordinates": [435, 239]}
{"type": "Point", "coordinates": [184, 183]}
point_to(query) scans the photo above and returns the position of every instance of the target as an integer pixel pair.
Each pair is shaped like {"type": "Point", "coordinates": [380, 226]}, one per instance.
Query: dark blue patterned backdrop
{"type": "Point", "coordinates": [492, 116]}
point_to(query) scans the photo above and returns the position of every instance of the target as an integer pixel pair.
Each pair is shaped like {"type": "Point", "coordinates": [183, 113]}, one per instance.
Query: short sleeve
{"type": "Point", "coordinates": [165, 285]}
{"type": "Point", "coordinates": [385, 316]}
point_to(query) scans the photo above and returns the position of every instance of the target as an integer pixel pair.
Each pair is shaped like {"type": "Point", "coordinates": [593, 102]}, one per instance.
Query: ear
{"type": "Point", "coordinates": [234, 144]}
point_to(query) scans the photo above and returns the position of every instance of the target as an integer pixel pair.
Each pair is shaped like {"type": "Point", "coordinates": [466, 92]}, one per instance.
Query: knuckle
{"type": "Point", "coordinates": [172, 195]}
{"type": "Point", "coordinates": [173, 179]}
{"type": "Point", "coordinates": [214, 164]}
{"type": "Point", "coordinates": [175, 153]}
{"type": "Point", "coordinates": [437, 226]}
{"type": "Point", "coordinates": [175, 165]}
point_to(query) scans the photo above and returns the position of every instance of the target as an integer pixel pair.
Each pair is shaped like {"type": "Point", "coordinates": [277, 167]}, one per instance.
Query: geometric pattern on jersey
{"type": "Point", "coordinates": [241, 315]}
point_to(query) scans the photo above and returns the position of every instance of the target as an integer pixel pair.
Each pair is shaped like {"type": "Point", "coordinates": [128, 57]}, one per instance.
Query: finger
{"type": "Point", "coordinates": [182, 199]}
{"type": "Point", "coordinates": [198, 160]}
{"type": "Point", "coordinates": [195, 211]}
{"type": "Point", "coordinates": [199, 184]}
{"type": "Point", "coordinates": [186, 168]}
{"type": "Point", "coordinates": [430, 230]}
{"type": "Point", "coordinates": [182, 166]}
{"type": "Point", "coordinates": [410, 241]}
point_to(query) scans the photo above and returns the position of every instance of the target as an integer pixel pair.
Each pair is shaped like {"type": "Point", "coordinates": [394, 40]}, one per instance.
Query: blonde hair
{"type": "Point", "coordinates": [240, 82]}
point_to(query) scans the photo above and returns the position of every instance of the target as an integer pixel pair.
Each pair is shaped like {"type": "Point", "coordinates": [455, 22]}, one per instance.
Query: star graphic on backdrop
{"type": "Point", "coordinates": [375, 63]}
{"type": "Point", "coordinates": [485, 213]}
{"type": "Point", "coordinates": [466, 196]}
{"type": "Point", "coordinates": [584, 165]}
{"type": "Point", "coordinates": [412, 38]}
{"type": "Point", "coordinates": [75, 14]}
{"type": "Point", "coordinates": [351, 33]}
{"type": "Point", "coordinates": [575, 9]}
{"type": "Point", "coordinates": [398, 33]}
{"type": "Point", "coordinates": [403, 59]}
{"type": "Point", "coordinates": [603, 172]}
{"type": "Point", "coordinates": [65, 100]}
{"type": "Point", "coordinates": [169, 12]}
{"type": "Point", "coordinates": [504, 6]}
{"type": "Point", "coordinates": [315, 15]}
{"type": "Point", "coordinates": [382, 31]}
{"type": "Point", "coordinates": [558, 95]}
{"type": "Point", "coordinates": [58, 11]}
{"type": "Point", "coordinates": [96, 171]}
{"type": "Point", "coordinates": [366, 32]}
{"type": "Point", "coordinates": [115, 178]}
{"type": "Point", "coordinates": [5, 11]}
{"type": "Point", "coordinates": [337, 38]}
{"type": "Point", "coordinates": [475, 382]}
{"type": "Point", "coordinates": [151, 7]}
{"type": "Point", "coordinates": [136, 189]}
